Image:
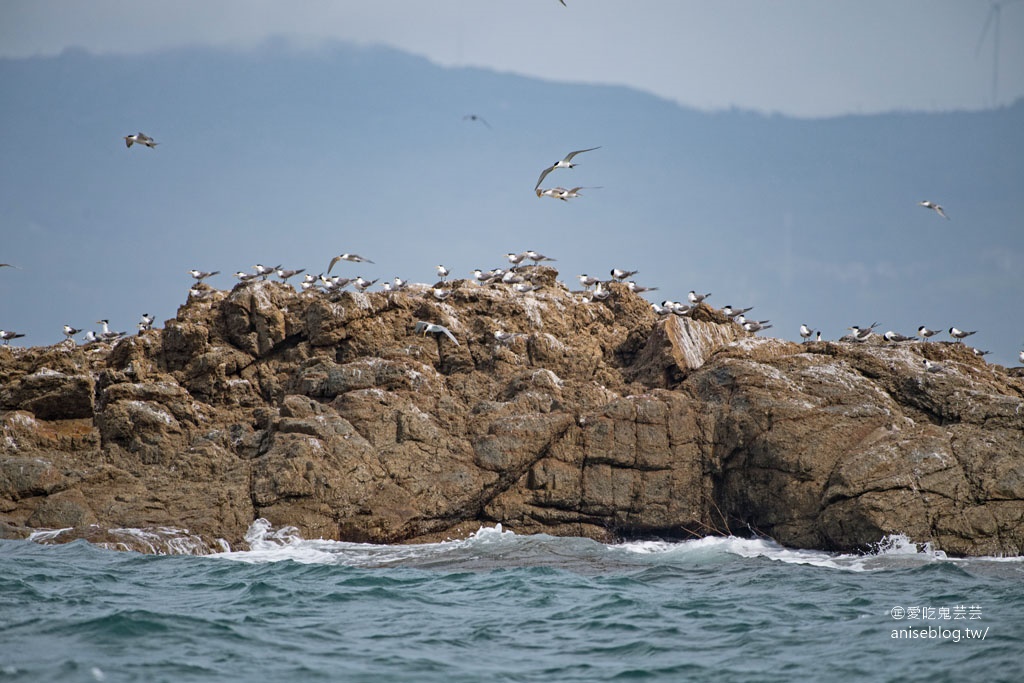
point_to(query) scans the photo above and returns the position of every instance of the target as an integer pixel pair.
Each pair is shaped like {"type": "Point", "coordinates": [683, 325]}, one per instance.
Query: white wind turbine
{"type": "Point", "coordinates": [992, 19]}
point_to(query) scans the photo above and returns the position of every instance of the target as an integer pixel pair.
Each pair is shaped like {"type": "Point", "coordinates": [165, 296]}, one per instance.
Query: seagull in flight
{"type": "Point", "coordinates": [8, 265]}
{"type": "Point", "coordinates": [354, 258]}
{"type": "Point", "coordinates": [564, 163]}
{"type": "Point", "coordinates": [140, 138]}
{"type": "Point", "coordinates": [934, 207]}
{"type": "Point", "coordinates": [425, 328]}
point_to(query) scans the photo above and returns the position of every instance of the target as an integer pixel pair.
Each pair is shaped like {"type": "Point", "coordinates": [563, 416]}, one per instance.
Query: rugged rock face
{"type": "Point", "coordinates": [599, 419]}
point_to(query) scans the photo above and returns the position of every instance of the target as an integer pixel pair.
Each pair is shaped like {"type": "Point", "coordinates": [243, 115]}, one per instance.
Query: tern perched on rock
{"type": "Point", "coordinates": [7, 336]}
{"type": "Point", "coordinates": [733, 312]}
{"type": "Point", "coordinates": [140, 138]}
{"type": "Point", "coordinates": [516, 259]}
{"type": "Point", "coordinates": [960, 334]}
{"type": "Point", "coordinates": [146, 321]}
{"type": "Point", "coordinates": [537, 257]}
{"type": "Point", "coordinates": [863, 333]}
{"type": "Point", "coordinates": [246, 277]}
{"type": "Point", "coordinates": [805, 332]}
{"type": "Point", "coordinates": [1020, 357]}
{"type": "Point", "coordinates": [934, 207]}
{"type": "Point", "coordinates": [354, 258]}
{"type": "Point", "coordinates": [70, 332]}
{"type": "Point", "coordinates": [441, 294]}
{"type": "Point", "coordinates": [639, 289]}
{"type": "Point", "coordinates": [425, 328]}
{"type": "Point", "coordinates": [587, 281]}
{"type": "Point", "coordinates": [285, 274]}
{"type": "Point", "coordinates": [621, 275]}
{"type": "Point", "coordinates": [756, 325]}
{"type": "Point", "coordinates": [107, 334]}
{"type": "Point", "coordinates": [264, 271]}
{"type": "Point", "coordinates": [563, 163]}
{"type": "Point", "coordinates": [200, 275]}
{"type": "Point", "coordinates": [891, 336]}
{"type": "Point", "coordinates": [363, 285]}
{"type": "Point", "coordinates": [924, 332]}
{"type": "Point", "coordinates": [695, 298]}
{"type": "Point", "coordinates": [930, 366]}
{"type": "Point", "coordinates": [442, 272]}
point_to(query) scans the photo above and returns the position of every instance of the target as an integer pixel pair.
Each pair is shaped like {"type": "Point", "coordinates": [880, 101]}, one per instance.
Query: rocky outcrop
{"type": "Point", "coordinates": [598, 419]}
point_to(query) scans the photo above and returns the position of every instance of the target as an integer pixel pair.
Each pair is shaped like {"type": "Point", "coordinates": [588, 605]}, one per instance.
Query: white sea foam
{"type": "Point", "coordinates": [47, 534]}
{"type": "Point", "coordinates": [491, 547]}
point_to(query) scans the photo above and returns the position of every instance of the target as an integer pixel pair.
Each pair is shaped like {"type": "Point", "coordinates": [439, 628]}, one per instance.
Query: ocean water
{"type": "Point", "coordinates": [505, 607]}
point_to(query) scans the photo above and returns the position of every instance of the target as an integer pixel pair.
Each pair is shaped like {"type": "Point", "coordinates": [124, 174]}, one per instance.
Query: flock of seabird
{"type": "Point", "coordinates": [518, 279]}
{"type": "Point", "coordinates": [561, 192]}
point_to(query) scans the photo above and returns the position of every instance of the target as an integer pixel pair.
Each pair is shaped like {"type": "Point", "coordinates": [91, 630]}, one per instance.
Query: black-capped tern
{"type": "Point", "coordinates": [8, 335]}
{"type": "Point", "coordinates": [891, 336]}
{"type": "Point", "coordinates": [621, 275]}
{"type": "Point", "coordinates": [246, 277]}
{"type": "Point", "coordinates": [564, 163]}
{"type": "Point", "coordinates": [639, 289]}
{"type": "Point", "coordinates": [442, 272]}
{"type": "Point", "coordinates": [425, 328]}
{"type": "Point", "coordinates": [70, 332]}
{"type": "Point", "coordinates": [756, 325]}
{"type": "Point", "coordinates": [200, 275]}
{"type": "Point", "coordinates": [934, 207]}
{"type": "Point", "coordinates": [960, 334]}
{"type": "Point", "coordinates": [441, 294]}
{"type": "Point", "coordinates": [354, 258]}
{"type": "Point", "coordinates": [925, 333]}
{"type": "Point", "coordinates": [537, 257]}
{"type": "Point", "coordinates": [362, 285]}
{"type": "Point", "coordinates": [695, 298]}
{"type": "Point", "coordinates": [284, 274]}
{"type": "Point", "coordinates": [805, 332]}
{"type": "Point", "coordinates": [930, 366]}
{"type": "Point", "coordinates": [733, 312]}
{"type": "Point", "coordinates": [140, 138]}
{"type": "Point", "coordinates": [587, 281]}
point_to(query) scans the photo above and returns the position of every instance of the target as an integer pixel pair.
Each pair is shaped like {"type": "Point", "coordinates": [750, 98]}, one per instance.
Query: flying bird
{"type": "Point", "coordinates": [140, 138]}
{"type": "Point", "coordinates": [476, 117]}
{"type": "Point", "coordinates": [354, 258]}
{"type": "Point", "coordinates": [564, 163]}
{"type": "Point", "coordinates": [425, 328]}
{"type": "Point", "coordinates": [8, 265]}
{"type": "Point", "coordinates": [934, 207]}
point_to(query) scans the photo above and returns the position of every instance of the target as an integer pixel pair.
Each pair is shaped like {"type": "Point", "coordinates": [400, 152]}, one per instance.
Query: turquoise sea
{"type": "Point", "coordinates": [506, 607]}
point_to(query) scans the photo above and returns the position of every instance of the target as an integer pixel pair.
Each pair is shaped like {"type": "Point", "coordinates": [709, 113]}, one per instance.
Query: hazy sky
{"type": "Point", "coordinates": [798, 57]}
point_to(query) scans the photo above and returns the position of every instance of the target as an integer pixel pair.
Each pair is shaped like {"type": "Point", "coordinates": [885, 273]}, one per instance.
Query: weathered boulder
{"type": "Point", "coordinates": [332, 414]}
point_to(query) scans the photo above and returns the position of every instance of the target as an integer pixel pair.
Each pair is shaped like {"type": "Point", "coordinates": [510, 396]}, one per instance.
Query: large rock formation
{"type": "Point", "coordinates": [598, 419]}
